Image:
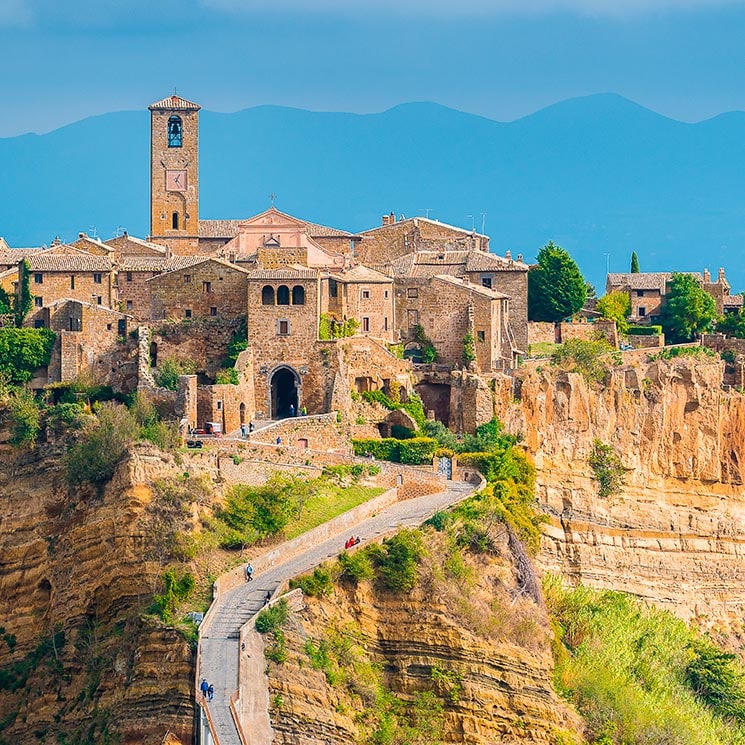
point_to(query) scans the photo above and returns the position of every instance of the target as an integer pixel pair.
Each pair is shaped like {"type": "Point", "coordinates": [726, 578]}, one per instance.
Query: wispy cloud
{"type": "Point", "coordinates": [469, 7]}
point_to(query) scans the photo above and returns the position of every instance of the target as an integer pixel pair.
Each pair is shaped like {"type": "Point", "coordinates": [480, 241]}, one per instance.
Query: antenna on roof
{"type": "Point", "coordinates": [473, 223]}
{"type": "Point", "coordinates": [427, 211]}
{"type": "Point", "coordinates": [483, 223]}
{"type": "Point", "coordinates": [119, 231]}
{"type": "Point", "coordinates": [94, 234]}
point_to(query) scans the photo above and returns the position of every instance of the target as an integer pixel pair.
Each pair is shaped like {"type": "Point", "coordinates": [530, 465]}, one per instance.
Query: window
{"type": "Point", "coordinates": [99, 300]}
{"type": "Point", "coordinates": [38, 278]}
{"type": "Point", "coordinates": [640, 293]}
{"type": "Point", "coordinates": [213, 310]}
{"type": "Point", "coordinates": [486, 281]}
{"type": "Point", "coordinates": [72, 282]}
{"type": "Point", "coordinates": [365, 325]}
{"type": "Point", "coordinates": [174, 220]}
{"type": "Point", "coordinates": [187, 279]}
{"type": "Point", "coordinates": [283, 327]}
{"type": "Point", "coordinates": [642, 310]}
{"type": "Point", "coordinates": [481, 336]}
{"type": "Point", "coordinates": [121, 327]}
{"type": "Point", "coordinates": [129, 305]}
{"type": "Point", "coordinates": [365, 294]}
{"type": "Point", "coordinates": [333, 288]}
{"type": "Point", "coordinates": [175, 131]}
{"type": "Point", "coordinates": [267, 295]}
{"type": "Point", "coordinates": [298, 295]}
{"type": "Point", "coordinates": [219, 405]}
{"type": "Point", "coordinates": [39, 301]}
{"type": "Point", "coordinates": [385, 294]}
{"type": "Point", "coordinates": [108, 327]}
{"type": "Point", "coordinates": [206, 286]}
{"type": "Point", "coordinates": [97, 279]}
{"type": "Point", "coordinates": [129, 276]}
{"type": "Point", "coordinates": [283, 295]}
{"type": "Point", "coordinates": [413, 318]}
{"type": "Point", "coordinates": [187, 313]}
{"type": "Point", "coordinates": [385, 323]}
{"type": "Point", "coordinates": [39, 323]}
{"type": "Point", "coordinates": [412, 292]}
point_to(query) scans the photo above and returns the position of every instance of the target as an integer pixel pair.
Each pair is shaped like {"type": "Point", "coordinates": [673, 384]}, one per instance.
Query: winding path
{"type": "Point", "coordinates": [220, 645]}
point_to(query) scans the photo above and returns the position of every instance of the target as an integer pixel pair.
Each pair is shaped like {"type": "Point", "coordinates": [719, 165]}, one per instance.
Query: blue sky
{"type": "Point", "coordinates": [63, 60]}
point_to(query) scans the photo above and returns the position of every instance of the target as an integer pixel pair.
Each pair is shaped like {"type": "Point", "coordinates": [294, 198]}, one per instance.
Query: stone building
{"type": "Point", "coordinates": [395, 238]}
{"type": "Point", "coordinates": [93, 246]}
{"type": "Point", "coordinates": [128, 246]}
{"type": "Point", "coordinates": [647, 290]}
{"type": "Point", "coordinates": [210, 287]}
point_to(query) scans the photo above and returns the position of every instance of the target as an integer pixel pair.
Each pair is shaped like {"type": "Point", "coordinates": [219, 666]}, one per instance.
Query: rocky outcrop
{"type": "Point", "coordinates": [675, 533]}
{"type": "Point", "coordinates": [465, 635]}
{"type": "Point", "coordinates": [77, 570]}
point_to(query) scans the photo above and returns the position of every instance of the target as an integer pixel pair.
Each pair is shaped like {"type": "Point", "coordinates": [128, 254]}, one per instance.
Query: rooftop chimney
{"type": "Point", "coordinates": [508, 255]}
{"type": "Point", "coordinates": [707, 275]}
{"type": "Point", "coordinates": [721, 274]}
{"type": "Point", "coordinates": [389, 219]}
{"type": "Point", "coordinates": [519, 257]}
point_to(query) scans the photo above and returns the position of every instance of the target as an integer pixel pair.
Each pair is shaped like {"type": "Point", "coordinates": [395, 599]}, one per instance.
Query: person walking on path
{"type": "Point", "coordinates": [204, 687]}
{"type": "Point", "coordinates": [303, 411]}
{"type": "Point", "coordinates": [243, 430]}
{"type": "Point", "coordinates": [250, 427]}
{"type": "Point", "coordinates": [249, 572]}
{"type": "Point", "coordinates": [210, 692]}
{"type": "Point", "coordinates": [292, 409]}
{"type": "Point", "coordinates": [267, 597]}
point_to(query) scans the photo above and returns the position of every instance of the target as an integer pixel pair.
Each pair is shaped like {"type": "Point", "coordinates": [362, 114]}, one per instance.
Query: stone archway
{"type": "Point", "coordinates": [284, 391]}
{"type": "Point", "coordinates": [242, 413]}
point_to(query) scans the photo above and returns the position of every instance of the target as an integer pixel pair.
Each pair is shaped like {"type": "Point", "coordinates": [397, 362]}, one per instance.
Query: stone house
{"type": "Point", "coordinates": [128, 246]}
{"type": "Point", "coordinates": [210, 287]}
{"type": "Point", "coordinates": [395, 238]}
{"type": "Point", "coordinates": [364, 295]}
{"type": "Point", "coordinates": [70, 276]}
{"type": "Point", "coordinates": [93, 246]}
{"type": "Point", "coordinates": [647, 290]}
{"type": "Point", "coordinates": [448, 308]}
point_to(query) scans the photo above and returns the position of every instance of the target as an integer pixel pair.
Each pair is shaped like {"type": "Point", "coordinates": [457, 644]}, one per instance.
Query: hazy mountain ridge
{"type": "Point", "coordinates": [596, 174]}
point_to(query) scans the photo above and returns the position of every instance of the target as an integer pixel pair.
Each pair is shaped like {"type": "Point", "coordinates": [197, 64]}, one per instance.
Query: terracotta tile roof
{"type": "Point", "coordinates": [175, 102]}
{"type": "Point", "coordinates": [14, 255]}
{"type": "Point", "coordinates": [362, 274]}
{"type": "Point", "coordinates": [219, 228]}
{"type": "Point", "coordinates": [290, 272]}
{"type": "Point", "coordinates": [416, 220]}
{"type": "Point", "coordinates": [485, 261]}
{"type": "Point", "coordinates": [323, 231]}
{"type": "Point", "coordinates": [178, 263]}
{"type": "Point", "coordinates": [86, 239]}
{"type": "Point", "coordinates": [733, 301]}
{"type": "Point", "coordinates": [466, 285]}
{"type": "Point", "coordinates": [645, 280]}
{"type": "Point", "coordinates": [158, 263]}
{"type": "Point", "coordinates": [155, 247]}
{"type": "Point", "coordinates": [78, 262]}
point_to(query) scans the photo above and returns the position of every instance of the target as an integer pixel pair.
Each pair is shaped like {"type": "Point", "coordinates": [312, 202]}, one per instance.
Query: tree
{"type": "Point", "coordinates": [556, 287]}
{"type": "Point", "coordinates": [616, 306]}
{"type": "Point", "coordinates": [23, 300]}
{"type": "Point", "coordinates": [732, 324]}
{"type": "Point", "coordinates": [688, 310]}
{"type": "Point", "coordinates": [634, 263]}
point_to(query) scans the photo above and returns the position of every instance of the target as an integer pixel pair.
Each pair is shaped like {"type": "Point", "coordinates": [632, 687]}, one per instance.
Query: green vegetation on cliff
{"type": "Point", "coordinates": [639, 675]}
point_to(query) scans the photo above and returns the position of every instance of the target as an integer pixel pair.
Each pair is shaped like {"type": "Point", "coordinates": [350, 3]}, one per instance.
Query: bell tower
{"type": "Point", "coordinates": [174, 168]}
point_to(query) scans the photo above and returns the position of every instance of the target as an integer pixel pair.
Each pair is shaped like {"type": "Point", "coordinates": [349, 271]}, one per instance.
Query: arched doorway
{"type": "Point", "coordinates": [242, 413]}
{"type": "Point", "coordinates": [284, 392]}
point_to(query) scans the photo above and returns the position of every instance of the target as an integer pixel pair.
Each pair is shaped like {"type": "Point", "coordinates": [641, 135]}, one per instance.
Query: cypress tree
{"type": "Point", "coordinates": [634, 263]}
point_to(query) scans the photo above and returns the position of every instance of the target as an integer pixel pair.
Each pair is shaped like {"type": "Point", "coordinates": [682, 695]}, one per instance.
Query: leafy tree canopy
{"type": "Point", "coordinates": [732, 324]}
{"type": "Point", "coordinates": [556, 287]}
{"type": "Point", "coordinates": [23, 350]}
{"type": "Point", "coordinates": [688, 310]}
{"type": "Point", "coordinates": [616, 306]}
{"type": "Point", "coordinates": [634, 263]}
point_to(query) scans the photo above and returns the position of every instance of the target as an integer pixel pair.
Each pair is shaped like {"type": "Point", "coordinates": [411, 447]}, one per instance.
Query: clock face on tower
{"type": "Point", "coordinates": [175, 180]}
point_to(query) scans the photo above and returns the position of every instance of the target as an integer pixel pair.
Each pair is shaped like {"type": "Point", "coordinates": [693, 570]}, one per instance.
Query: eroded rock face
{"type": "Point", "coordinates": [675, 534]}
{"type": "Point", "coordinates": [76, 571]}
{"type": "Point", "coordinates": [474, 642]}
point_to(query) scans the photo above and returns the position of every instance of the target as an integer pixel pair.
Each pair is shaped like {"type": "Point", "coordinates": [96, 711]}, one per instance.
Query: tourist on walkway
{"type": "Point", "coordinates": [267, 597]}
{"type": "Point", "coordinates": [250, 427]}
{"type": "Point", "coordinates": [278, 441]}
{"type": "Point", "coordinates": [303, 411]}
{"type": "Point", "coordinates": [204, 687]}
{"type": "Point", "coordinates": [210, 692]}
{"type": "Point", "coordinates": [243, 430]}
{"type": "Point", "coordinates": [249, 572]}
{"type": "Point", "coordinates": [292, 409]}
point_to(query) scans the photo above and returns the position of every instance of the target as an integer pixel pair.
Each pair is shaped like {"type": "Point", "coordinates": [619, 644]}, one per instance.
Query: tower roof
{"type": "Point", "coordinates": [174, 102]}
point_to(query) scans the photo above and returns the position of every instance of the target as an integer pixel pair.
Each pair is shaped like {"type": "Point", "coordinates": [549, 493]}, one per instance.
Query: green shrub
{"type": "Point", "coordinates": [438, 431]}
{"type": "Point", "coordinates": [167, 373]}
{"type": "Point", "coordinates": [228, 376]}
{"type": "Point", "coordinates": [417, 450]}
{"type": "Point", "coordinates": [65, 417]}
{"type": "Point", "coordinates": [238, 343]}
{"type": "Point", "coordinates": [177, 589]}
{"type": "Point", "coordinates": [717, 679]}
{"type": "Point", "coordinates": [273, 618]}
{"type": "Point", "coordinates": [644, 330]}
{"type": "Point", "coordinates": [397, 560]}
{"type": "Point", "coordinates": [103, 443]}
{"type": "Point", "coordinates": [356, 566]}
{"type": "Point", "coordinates": [25, 418]}
{"type": "Point", "coordinates": [386, 448]}
{"type": "Point", "coordinates": [583, 356]}
{"type": "Point", "coordinates": [469, 349]}
{"type": "Point", "coordinates": [317, 583]}
{"type": "Point", "coordinates": [606, 465]}
{"type": "Point", "coordinates": [331, 328]}
{"type": "Point", "coordinates": [429, 353]}
{"type": "Point", "coordinates": [23, 350]}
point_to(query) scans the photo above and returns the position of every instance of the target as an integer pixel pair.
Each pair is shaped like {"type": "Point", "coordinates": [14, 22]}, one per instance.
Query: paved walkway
{"type": "Point", "coordinates": [219, 648]}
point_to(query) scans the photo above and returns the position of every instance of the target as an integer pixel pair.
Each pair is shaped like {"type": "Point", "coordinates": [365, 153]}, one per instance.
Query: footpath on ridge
{"type": "Point", "coordinates": [220, 643]}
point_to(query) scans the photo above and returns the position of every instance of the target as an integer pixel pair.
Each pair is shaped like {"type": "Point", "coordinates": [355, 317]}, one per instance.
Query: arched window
{"type": "Point", "coordinates": [175, 131]}
{"type": "Point", "coordinates": [267, 295]}
{"type": "Point", "coordinates": [174, 220]}
{"type": "Point", "coordinates": [298, 295]}
{"type": "Point", "coordinates": [283, 295]}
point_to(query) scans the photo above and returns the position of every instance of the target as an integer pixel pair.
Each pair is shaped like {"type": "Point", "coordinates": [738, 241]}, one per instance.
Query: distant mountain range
{"type": "Point", "coordinates": [599, 175]}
